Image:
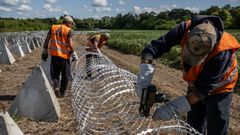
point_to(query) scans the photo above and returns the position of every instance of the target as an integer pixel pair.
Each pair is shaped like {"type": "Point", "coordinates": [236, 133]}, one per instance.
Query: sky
{"type": "Point", "coordinates": [100, 8]}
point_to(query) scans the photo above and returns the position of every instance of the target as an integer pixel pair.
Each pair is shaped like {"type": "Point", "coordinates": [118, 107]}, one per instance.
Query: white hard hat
{"type": "Point", "coordinates": [68, 19]}
{"type": "Point", "coordinates": [107, 35]}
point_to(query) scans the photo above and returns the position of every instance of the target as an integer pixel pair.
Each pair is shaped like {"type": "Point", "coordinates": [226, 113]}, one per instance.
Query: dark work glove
{"type": "Point", "coordinates": [44, 54]}
{"type": "Point", "coordinates": [168, 110]}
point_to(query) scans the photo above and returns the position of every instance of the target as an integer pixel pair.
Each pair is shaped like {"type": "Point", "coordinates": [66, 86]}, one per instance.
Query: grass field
{"type": "Point", "coordinates": [133, 42]}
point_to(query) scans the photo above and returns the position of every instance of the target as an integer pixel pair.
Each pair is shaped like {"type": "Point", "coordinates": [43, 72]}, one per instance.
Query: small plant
{"type": "Point", "coordinates": [16, 117]}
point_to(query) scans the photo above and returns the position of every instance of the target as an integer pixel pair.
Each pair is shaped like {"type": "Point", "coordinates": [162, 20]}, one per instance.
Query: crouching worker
{"type": "Point", "coordinates": [209, 67]}
{"type": "Point", "coordinates": [61, 50]}
{"type": "Point", "coordinates": [95, 42]}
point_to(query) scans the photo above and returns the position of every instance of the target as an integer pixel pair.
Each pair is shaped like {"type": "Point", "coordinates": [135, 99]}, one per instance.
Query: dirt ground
{"type": "Point", "coordinates": [12, 77]}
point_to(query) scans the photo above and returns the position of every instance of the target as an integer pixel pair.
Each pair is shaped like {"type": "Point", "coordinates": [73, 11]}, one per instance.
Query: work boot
{"type": "Point", "coordinates": [55, 87]}
{"type": "Point", "coordinates": [57, 93]}
{"type": "Point", "coordinates": [55, 83]}
{"type": "Point", "coordinates": [62, 92]}
{"type": "Point", "coordinates": [63, 89]}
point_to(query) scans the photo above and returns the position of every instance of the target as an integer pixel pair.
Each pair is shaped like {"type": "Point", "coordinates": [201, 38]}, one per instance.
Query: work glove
{"type": "Point", "coordinates": [45, 54]}
{"type": "Point", "coordinates": [172, 109]}
{"type": "Point", "coordinates": [74, 56]}
{"type": "Point", "coordinates": [144, 77]}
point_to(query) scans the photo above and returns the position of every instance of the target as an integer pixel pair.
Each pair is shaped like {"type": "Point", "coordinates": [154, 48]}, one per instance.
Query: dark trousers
{"type": "Point", "coordinates": [89, 62]}
{"type": "Point", "coordinates": [211, 115]}
{"type": "Point", "coordinates": [60, 66]}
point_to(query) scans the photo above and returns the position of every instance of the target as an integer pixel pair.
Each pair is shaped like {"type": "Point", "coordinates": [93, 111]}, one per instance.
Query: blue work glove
{"type": "Point", "coordinates": [74, 56]}
{"type": "Point", "coordinates": [170, 109]}
{"type": "Point", "coordinates": [144, 77]}
{"type": "Point", "coordinates": [44, 54]}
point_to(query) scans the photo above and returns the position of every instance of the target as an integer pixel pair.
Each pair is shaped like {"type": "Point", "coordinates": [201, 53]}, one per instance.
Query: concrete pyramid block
{"type": "Point", "coordinates": [32, 45]}
{"type": "Point", "coordinates": [25, 47]}
{"type": "Point", "coordinates": [41, 41]}
{"type": "Point", "coordinates": [8, 126]}
{"type": "Point", "coordinates": [36, 42]}
{"type": "Point", "coordinates": [46, 68]}
{"type": "Point", "coordinates": [36, 99]}
{"type": "Point", "coordinates": [6, 56]}
{"type": "Point", "coordinates": [18, 50]}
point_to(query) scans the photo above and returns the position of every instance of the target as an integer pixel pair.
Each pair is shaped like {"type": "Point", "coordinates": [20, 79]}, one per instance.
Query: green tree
{"type": "Point", "coordinates": [146, 21]}
{"type": "Point", "coordinates": [226, 16]}
{"type": "Point", "coordinates": [213, 10]}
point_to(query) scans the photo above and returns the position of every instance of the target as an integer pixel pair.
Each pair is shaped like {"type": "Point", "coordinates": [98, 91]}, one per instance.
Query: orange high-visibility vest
{"type": "Point", "coordinates": [59, 45]}
{"type": "Point", "coordinates": [99, 40]}
{"type": "Point", "coordinates": [227, 42]}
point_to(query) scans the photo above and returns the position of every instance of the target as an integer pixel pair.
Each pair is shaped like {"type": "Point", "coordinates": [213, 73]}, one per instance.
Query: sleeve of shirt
{"type": "Point", "coordinates": [213, 72]}
{"type": "Point", "coordinates": [163, 44]}
{"type": "Point", "coordinates": [49, 32]}
{"type": "Point", "coordinates": [70, 34]}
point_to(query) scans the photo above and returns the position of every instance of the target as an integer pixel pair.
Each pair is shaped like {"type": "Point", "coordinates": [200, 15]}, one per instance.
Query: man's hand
{"type": "Point", "coordinates": [144, 77]}
{"type": "Point", "coordinates": [45, 54]}
{"type": "Point", "coordinates": [172, 108]}
{"type": "Point", "coordinates": [74, 56]}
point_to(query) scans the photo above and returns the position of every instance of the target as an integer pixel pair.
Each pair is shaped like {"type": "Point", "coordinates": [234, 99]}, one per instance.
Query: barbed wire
{"type": "Point", "coordinates": [104, 100]}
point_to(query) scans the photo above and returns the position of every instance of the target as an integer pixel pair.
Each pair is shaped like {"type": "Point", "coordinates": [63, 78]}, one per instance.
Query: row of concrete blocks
{"type": "Point", "coordinates": [19, 47]}
{"type": "Point", "coordinates": [36, 101]}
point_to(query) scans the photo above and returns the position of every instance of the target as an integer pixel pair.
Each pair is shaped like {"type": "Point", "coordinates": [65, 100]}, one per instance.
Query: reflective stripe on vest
{"type": "Point", "coordinates": [227, 42]}
{"type": "Point", "coordinates": [64, 52]}
{"type": "Point", "coordinates": [59, 42]}
{"type": "Point", "coordinates": [59, 45]}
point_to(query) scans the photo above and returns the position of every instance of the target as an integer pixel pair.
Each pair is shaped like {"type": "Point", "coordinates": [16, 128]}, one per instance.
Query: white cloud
{"type": "Point", "coordinates": [96, 17]}
{"type": "Point", "coordinates": [20, 13]}
{"type": "Point", "coordinates": [24, 15]}
{"type": "Point", "coordinates": [39, 14]}
{"type": "Point", "coordinates": [65, 13]}
{"type": "Point", "coordinates": [136, 9]}
{"type": "Point", "coordinates": [193, 9]}
{"type": "Point", "coordinates": [121, 2]}
{"type": "Point", "coordinates": [99, 3]}
{"type": "Point", "coordinates": [163, 8]}
{"type": "Point", "coordinates": [26, 1]}
{"type": "Point", "coordinates": [90, 10]}
{"type": "Point", "coordinates": [120, 10]}
{"type": "Point", "coordinates": [85, 6]}
{"type": "Point", "coordinates": [167, 7]}
{"type": "Point", "coordinates": [100, 9]}
{"type": "Point", "coordinates": [49, 8]}
{"type": "Point", "coordinates": [24, 7]}
{"type": "Point", "coordinates": [148, 9]}
{"type": "Point", "coordinates": [10, 2]}
{"type": "Point", "coordinates": [51, 1]}
{"type": "Point", "coordinates": [4, 9]}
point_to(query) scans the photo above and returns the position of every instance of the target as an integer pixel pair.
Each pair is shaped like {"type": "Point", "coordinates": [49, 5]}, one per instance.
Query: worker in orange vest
{"type": "Point", "coordinates": [209, 66]}
{"type": "Point", "coordinates": [61, 50]}
{"type": "Point", "coordinates": [95, 42]}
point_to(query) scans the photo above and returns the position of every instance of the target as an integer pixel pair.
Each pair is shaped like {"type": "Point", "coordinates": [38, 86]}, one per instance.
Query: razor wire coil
{"type": "Point", "coordinates": [106, 102]}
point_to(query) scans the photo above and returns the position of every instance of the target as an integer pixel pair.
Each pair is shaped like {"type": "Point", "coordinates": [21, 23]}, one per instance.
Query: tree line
{"type": "Point", "coordinates": [144, 21]}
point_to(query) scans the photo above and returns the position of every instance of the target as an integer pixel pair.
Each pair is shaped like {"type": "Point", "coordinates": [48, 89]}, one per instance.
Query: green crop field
{"type": "Point", "coordinates": [133, 41]}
